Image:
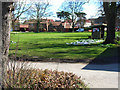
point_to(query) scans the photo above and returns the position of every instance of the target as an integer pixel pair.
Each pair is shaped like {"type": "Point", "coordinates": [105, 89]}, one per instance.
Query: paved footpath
{"type": "Point", "coordinates": [95, 76]}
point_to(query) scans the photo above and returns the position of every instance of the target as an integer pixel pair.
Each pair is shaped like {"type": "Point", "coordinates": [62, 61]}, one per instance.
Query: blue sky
{"type": "Point", "coordinates": [91, 8]}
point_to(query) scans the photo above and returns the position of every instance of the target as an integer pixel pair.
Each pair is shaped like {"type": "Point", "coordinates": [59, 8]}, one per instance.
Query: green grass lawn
{"type": "Point", "coordinates": [47, 45]}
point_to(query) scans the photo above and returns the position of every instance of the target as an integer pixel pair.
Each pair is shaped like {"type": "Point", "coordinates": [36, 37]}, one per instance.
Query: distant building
{"type": "Point", "coordinates": [98, 21]}
{"type": "Point", "coordinates": [87, 23]}
{"type": "Point", "coordinates": [24, 27]}
{"type": "Point", "coordinates": [49, 25]}
{"type": "Point", "coordinates": [95, 21]}
{"type": "Point", "coordinates": [102, 20]}
{"type": "Point", "coordinates": [43, 26]}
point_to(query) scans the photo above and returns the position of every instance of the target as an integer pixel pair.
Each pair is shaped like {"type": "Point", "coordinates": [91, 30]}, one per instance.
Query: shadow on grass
{"type": "Point", "coordinates": [79, 51]}
{"type": "Point", "coordinates": [106, 61]}
{"type": "Point", "coordinates": [110, 55]}
{"type": "Point", "coordinates": [42, 59]}
{"type": "Point", "coordinates": [52, 45]}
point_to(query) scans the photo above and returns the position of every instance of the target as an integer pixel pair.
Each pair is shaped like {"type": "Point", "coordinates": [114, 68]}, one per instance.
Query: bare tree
{"type": "Point", "coordinates": [20, 7]}
{"type": "Point", "coordinates": [73, 7]}
{"type": "Point", "coordinates": [38, 11]}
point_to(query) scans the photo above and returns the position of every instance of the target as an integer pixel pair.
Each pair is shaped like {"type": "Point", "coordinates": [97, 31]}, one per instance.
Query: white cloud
{"type": "Point", "coordinates": [91, 9]}
{"type": "Point", "coordinates": [56, 4]}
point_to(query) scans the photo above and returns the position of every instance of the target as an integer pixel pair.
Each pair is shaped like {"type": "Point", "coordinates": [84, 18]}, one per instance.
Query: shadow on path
{"type": "Point", "coordinates": [105, 67]}
{"type": "Point", "coordinates": [106, 61]}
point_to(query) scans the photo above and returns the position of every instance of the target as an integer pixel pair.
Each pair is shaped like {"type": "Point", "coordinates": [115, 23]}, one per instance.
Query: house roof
{"type": "Point", "coordinates": [88, 21]}
{"type": "Point", "coordinates": [31, 22]}
{"type": "Point", "coordinates": [99, 25]}
{"type": "Point", "coordinates": [43, 22]}
{"type": "Point", "coordinates": [51, 20]}
{"type": "Point", "coordinates": [67, 25]}
{"type": "Point", "coordinates": [24, 26]}
{"type": "Point", "coordinates": [55, 23]}
{"type": "Point", "coordinates": [35, 21]}
{"type": "Point", "coordinates": [68, 21]}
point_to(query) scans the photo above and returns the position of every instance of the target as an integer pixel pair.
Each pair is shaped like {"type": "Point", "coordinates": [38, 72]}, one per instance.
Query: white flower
{"type": "Point", "coordinates": [86, 43]}
{"type": "Point", "coordinates": [67, 43]}
{"type": "Point", "coordinates": [73, 84]}
{"type": "Point", "coordinates": [78, 43]}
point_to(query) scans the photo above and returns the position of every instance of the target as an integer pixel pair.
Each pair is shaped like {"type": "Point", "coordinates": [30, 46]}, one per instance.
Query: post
{"type": "Point", "coordinates": [47, 24]}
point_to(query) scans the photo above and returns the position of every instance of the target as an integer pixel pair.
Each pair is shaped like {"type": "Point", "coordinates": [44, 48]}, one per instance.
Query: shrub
{"type": "Point", "coordinates": [39, 79]}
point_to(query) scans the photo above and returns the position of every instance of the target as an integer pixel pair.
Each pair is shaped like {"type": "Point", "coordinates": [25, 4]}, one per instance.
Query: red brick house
{"type": "Point", "coordinates": [56, 26]}
{"type": "Point", "coordinates": [49, 25]}
{"type": "Point", "coordinates": [24, 27]}
{"type": "Point", "coordinates": [43, 24]}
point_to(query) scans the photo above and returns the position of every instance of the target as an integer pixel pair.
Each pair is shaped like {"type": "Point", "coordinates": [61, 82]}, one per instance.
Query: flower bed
{"type": "Point", "coordinates": [85, 42]}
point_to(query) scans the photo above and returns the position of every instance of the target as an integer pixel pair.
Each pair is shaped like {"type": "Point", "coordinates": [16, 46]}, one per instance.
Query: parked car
{"type": "Point", "coordinates": [80, 30]}
{"type": "Point", "coordinates": [89, 30]}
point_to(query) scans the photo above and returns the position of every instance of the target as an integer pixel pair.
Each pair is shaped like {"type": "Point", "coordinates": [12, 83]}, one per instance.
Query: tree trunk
{"type": "Point", "coordinates": [6, 27]}
{"type": "Point", "coordinates": [111, 13]}
{"type": "Point", "coordinates": [110, 30]}
{"type": "Point", "coordinates": [73, 24]}
{"type": "Point", "coordinates": [37, 26]}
